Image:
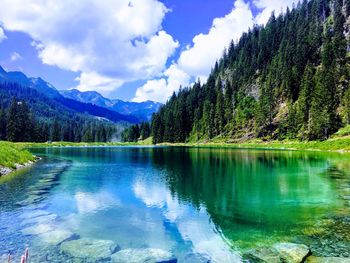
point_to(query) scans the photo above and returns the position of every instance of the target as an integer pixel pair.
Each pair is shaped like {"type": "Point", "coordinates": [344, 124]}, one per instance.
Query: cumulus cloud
{"type": "Point", "coordinates": [161, 89]}
{"type": "Point", "coordinates": [197, 59]}
{"type": "Point", "coordinates": [2, 35]}
{"type": "Point", "coordinates": [268, 6]}
{"type": "Point", "coordinates": [107, 41]}
{"type": "Point", "coordinates": [15, 56]}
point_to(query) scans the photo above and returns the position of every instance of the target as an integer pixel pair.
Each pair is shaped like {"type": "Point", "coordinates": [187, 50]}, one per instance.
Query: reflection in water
{"type": "Point", "coordinates": [251, 195]}
{"type": "Point", "coordinates": [198, 204]}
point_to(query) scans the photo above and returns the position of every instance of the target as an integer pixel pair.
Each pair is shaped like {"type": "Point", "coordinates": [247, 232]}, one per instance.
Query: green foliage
{"type": "Point", "coordinates": [343, 132]}
{"type": "Point", "coordinates": [288, 79]}
{"type": "Point", "coordinates": [136, 132]}
{"type": "Point", "coordinates": [11, 154]}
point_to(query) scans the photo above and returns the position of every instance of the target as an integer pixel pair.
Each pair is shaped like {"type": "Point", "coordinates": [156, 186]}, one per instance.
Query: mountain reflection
{"type": "Point", "coordinates": [248, 192]}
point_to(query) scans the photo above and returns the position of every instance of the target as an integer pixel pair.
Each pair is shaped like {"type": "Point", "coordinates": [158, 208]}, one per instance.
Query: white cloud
{"type": "Point", "coordinates": [207, 48]}
{"type": "Point", "coordinates": [2, 35]}
{"type": "Point", "coordinates": [107, 40]}
{"type": "Point", "coordinates": [198, 59]}
{"type": "Point", "coordinates": [161, 89]}
{"type": "Point", "coordinates": [93, 81]}
{"type": "Point", "coordinates": [15, 56]}
{"type": "Point", "coordinates": [268, 6]}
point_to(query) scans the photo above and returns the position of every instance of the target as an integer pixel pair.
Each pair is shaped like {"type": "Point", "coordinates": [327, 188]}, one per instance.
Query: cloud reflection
{"type": "Point", "coordinates": [93, 202]}
{"type": "Point", "coordinates": [194, 226]}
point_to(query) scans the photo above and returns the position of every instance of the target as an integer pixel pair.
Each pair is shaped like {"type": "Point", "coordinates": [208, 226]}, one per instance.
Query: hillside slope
{"type": "Point", "coordinates": [286, 80]}
{"type": "Point", "coordinates": [29, 115]}
{"type": "Point", "coordinates": [141, 110]}
{"type": "Point", "coordinates": [49, 91]}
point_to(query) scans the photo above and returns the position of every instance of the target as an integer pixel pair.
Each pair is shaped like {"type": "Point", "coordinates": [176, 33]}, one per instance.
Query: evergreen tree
{"type": "Point", "coordinates": [19, 122]}
{"type": "Point", "coordinates": [3, 124]}
{"type": "Point", "coordinates": [304, 101]}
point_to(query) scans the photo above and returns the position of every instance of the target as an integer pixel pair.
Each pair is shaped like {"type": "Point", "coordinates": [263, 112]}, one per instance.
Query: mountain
{"type": "Point", "coordinates": [92, 97]}
{"type": "Point", "coordinates": [142, 110]}
{"type": "Point", "coordinates": [33, 116]}
{"type": "Point", "coordinates": [50, 92]}
{"type": "Point", "coordinates": [288, 79]}
{"type": "Point", "coordinates": [35, 83]}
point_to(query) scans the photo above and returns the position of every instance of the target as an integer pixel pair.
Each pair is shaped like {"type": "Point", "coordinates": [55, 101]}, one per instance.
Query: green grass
{"type": "Point", "coordinates": [11, 154]}
{"type": "Point", "coordinates": [343, 132]}
{"type": "Point", "coordinates": [333, 144]}
{"type": "Point", "coordinates": [73, 144]}
{"type": "Point", "coordinates": [336, 143]}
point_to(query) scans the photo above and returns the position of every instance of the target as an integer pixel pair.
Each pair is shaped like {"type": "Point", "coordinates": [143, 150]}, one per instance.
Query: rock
{"type": "Point", "coordinates": [196, 258]}
{"type": "Point", "coordinates": [262, 255]}
{"type": "Point", "coordinates": [33, 214]}
{"type": "Point", "coordinates": [313, 259]}
{"type": "Point", "coordinates": [37, 229]}
{"type": "Point", "coordinates": [5, 170]}
{"type": "Point", "coordinates": [91, 250]}
{"type": "Point", "coordinates": [56, 237]}
{"type": "Point", "coordinates": [40, 220]}
{"type": "Point", "coordinates": [145, 255]}
{"type": "Point", "coordinates": [292, 253]}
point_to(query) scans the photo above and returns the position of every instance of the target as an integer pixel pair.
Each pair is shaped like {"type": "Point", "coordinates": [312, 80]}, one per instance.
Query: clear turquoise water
{"type": "Point", "coordinates": [195, 203]}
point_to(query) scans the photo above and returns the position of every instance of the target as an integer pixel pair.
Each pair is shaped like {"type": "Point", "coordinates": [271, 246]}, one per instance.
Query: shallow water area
{"type": "Point", "coordinates": [104, 204]}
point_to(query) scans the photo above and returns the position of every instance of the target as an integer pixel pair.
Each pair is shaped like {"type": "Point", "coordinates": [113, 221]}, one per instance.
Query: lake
{"type": "Point", "coordinates": [192, 204]}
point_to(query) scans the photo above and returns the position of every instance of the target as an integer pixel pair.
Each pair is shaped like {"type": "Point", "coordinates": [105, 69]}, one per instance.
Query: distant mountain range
{"type": "Point", "coordinates": [91, 103]}
{"type": "Point", "coordinates": [141, 110]}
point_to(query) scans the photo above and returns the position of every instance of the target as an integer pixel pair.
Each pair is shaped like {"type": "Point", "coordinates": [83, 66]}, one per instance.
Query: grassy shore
{"type": "Point", "coordinates": [334, 144]}
{"type": "Point", "coordinates": [337, 143]}
{"type": "Point", "coordinates": [12, 154]}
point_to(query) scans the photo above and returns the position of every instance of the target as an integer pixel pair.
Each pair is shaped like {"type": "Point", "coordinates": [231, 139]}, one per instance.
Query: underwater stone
{"type": "Point", "coordinates": [291, 252]}
{"type": "Point", "coordinates": [37, 229]}
{"type": "Point", "coordinates": [56, 237]}
{"type": "Point", "coordinates": [313, 259]}
{"type": "Point", "coordinates": [89, 249]}
{"type": "Point", "coordinates": [146, 255]}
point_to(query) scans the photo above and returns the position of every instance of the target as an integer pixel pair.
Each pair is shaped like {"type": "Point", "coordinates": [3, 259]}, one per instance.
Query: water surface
{"type": "Point", "coordinates": [198, 204]}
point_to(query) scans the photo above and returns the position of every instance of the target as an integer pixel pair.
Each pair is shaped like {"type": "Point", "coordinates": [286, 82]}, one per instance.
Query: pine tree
{"type": "Point", "coordinates": [305, 99]}
{"type": "Point", "coordinates": [17, 122]}
{"type": "Point", "coordinates": [56, 132]}
{"type": "Point", "coordinates": [3, 124]}
{"type": "Point", "coordinates": [219, 118]}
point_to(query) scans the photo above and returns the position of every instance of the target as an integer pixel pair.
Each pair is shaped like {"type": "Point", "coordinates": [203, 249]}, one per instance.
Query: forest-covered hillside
{"type": "Point", "coordinates": [287, 79]}
{"type": "Point", "coordinates": [29, 115]}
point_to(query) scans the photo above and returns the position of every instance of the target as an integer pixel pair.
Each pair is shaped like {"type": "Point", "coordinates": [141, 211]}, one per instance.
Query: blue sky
{"type": "Point", "coordinates": [128, 49]}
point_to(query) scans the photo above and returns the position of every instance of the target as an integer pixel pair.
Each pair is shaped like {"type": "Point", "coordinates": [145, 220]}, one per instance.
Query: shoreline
{"type": "Point", "coordinates": [338, 144]}
{"type": "Point", "coordinates": [5, 171]}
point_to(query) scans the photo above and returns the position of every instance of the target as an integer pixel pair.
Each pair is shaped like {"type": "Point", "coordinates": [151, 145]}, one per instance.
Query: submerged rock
{"type": "Point", "coordinates": [146, 255]}
{"type": "Point", "coordinates": [292, 253]}
{"type": "Point", "coordinates": [56, 237]}
{"type": "Point", "coordinates": [37, 229]}
{"type": "Point", "coordinates": [280, 252]}
{"type": "Point", "coordinates": [196, 258]}
{"type": "Point", "coordinates": [313, 259]}
{"type": "Point", "coordinates": [47, 219]}
{"type": "Point", "coordinates": [33, 214]}
{"type": "Point", "coordinates": [91, 250]}
{"type": "Point", "coordinates": [260, 255]}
